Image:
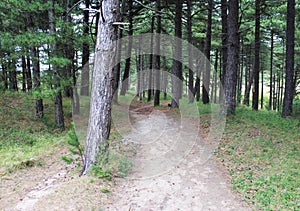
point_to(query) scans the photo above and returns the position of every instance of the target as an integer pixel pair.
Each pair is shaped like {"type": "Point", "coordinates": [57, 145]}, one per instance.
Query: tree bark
{"type": "Point", "coordinates": [151, 63]}
{"type": "Point", "coordinates": [4, 75]}
{"type": "Point", "coordinates": [101, 95]}
{"type": "Point", "coordinates": [241, 73]}
{"type": "Point", "coordinates": [85, 75]}
{"type": "Point", "coordinates": [59, 114]}
{"type": "Point", "coordinates": [13, 83]}
{"type": "Point", "coordinates": [224, 38]}
{"type": "Point", "coordinates": [117, 69]}
{"type": "Point", "coordinates": [190, 40]}
{"type": "Point", "coordinates": [249, 80]}
{"type": "Point", "coordinates": [177, 65]}
{"type": "Point", "coordinates": [214, 86]}
{"type": "Point", "coordinates": [23, 73]}
{"type": "Point", "coordinates": [233, 55]}
{"type": "Point", "coordinates": [39, 108]}
{"type": "Point", "coordinates": [262, 87]}
{"type": "Point", "coordinates": [206, 73]}
{"type": "Point", "coordinates": [256, 57]}
{"type": "Point", "coordinates": [157, 57]}
{"type": "Point", "coordinates": [271, 71]}
{"type": "Point", "coordinates": [290, 45]}
{"type": "Point", "coordinates": [29, 77]}
{"type": "Point", "coordinates": [125, 81]}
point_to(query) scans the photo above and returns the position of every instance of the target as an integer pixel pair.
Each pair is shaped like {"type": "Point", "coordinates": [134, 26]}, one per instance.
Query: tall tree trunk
{"type": "Point", "coordinates": [39, 108]}
{"type": "Point", "coordinates": [215, 73]}
{"type": "Point", "coordinates": [75, 98]}
{"type": "Point", "coordinates": [150, 87]}
{"type": "Point", "coordinates": [164, 75]}
{"type": "Point", "coordinates": [69, 53]}
{"type": "Point", "coordinates": [101, 96]}
{"type": "Point", "coordinates": [262, 87]}
{"type": "Point", "coordinates": [125, 81]}
{"type": "Point", "coordinates": [59, 114]}
{"type": "Point", "coordinates": [224, 38]}
{"type": "Point", "coordinates": [13, 83]}
{"type": "Point", "coordinates": [117, 69]}
{"type": "Point", "coordinates": [233, 55]}
{"type": "Point", "coordinates": [206, 73]}
{"type": "Point", "coordinates": [290, 45]}
{"type": "Point", "coordinates": [200, 67]}
{"type": "Point", "coordinates": [139, 70]}
{"type": "Point", "coordinates": [177, 65]}
{"type": "Point", "coordinates": [250, 79]}
{"type": "Point", "coordinates": [281, 87]}
{"type": "Point", "coordinates": [24, 74]}
{"type": "Point", "coordinates": [240, 75]}
{"type": "Point", "coordinates": [275, 91]}
{"type": "Point", "coordinates": [85, 75]}
{"type": "Point", "coordinates": [256, 57]}
{"type": "Point", "coordinates": [157, 59]}
{"type": "Point", "coordinates": [190, 40]}
{"type": "Point", "coordinates": [4, 75]}
{"type": "Point", "coordinates": [278, 90]}
{"type": "Point", "coordinates": [271, 71]}
{"type": "Point", "coordinates": [28, 77]}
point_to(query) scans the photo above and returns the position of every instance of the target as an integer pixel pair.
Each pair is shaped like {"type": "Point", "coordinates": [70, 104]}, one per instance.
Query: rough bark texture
{"type": "Point", "coordinates": [206, 74]}
{"type": "Point", "coordinates": [215, 85]}
{"type": "Point", "coordinates": [256, 57]}
{"type": "Point", "coordinates": [151, 63]}
{"type": "Point", "coordinates": [85, 75]}
{"type": "Point", "coordinates": [117, 68]}
{"type": "Point", "coordinates": [125, 81]}
{"type": "Point", "coordinates": [157, 57]}
{"type": "Point", "coordinates": [13, 83]}
{"type": "Point", "coordinates": [271, 71]}
{"type": "Point", "coordinates": [23, 73]}
{"type": "Point", "coordinates": [240, 73]}
{"type": "Point", "coordinates": [39, 108]}
{"type": "Point", "coordinates": [29, 77]}
{"type": "Point", "coordinates": [232, 59]}
{"type": "Point", "coordinates": [190, 40]}
{"type": "Point", "coordinates": [290, 45]}
{"type": "Point", "coordinates": [101, 95]}
{"type": "Point", "coordinates": [177, 65]}
{"type": "Point", "coordinates": [249, 79]}
{"type": "Point", "coordinates": [224, 38]}
{"type": "Point", "coordinates": [59, 114]}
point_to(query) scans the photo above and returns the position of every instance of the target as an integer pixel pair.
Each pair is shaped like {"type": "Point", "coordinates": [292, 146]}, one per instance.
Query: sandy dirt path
{"type": "Point", "coordinates": [174, 170]}
{"type": "Point", "coordinates": [55, 186]}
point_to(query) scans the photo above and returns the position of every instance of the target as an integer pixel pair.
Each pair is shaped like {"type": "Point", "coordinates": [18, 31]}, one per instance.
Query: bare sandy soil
{"type": "Point", "coordinates": [55, 186]}
{"type": "Point", "coordinates": [174, 170]}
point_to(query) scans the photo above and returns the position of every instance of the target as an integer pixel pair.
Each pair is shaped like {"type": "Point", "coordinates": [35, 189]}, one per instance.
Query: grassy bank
{"type": "Point", "coordinates": [260, 149]}
{"type": "Point", "coordinates": [261, 152]}
{"type": "Point", "coordinates": [24, 139]}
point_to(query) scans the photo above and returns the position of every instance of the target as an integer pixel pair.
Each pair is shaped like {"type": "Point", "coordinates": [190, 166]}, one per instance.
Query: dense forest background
{"type": "Point", "coordinates": [46, 68]}
{"type": "Point", "coordinates": [45, 45]}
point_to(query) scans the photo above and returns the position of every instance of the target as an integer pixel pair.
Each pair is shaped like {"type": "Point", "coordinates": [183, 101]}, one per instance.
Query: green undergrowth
{"type": "Point", "coordinates": [261, 152]}
{"type": "Point", "coordinates": [26, 140]}
{"type": "Point", "coordinates": [113, 159]}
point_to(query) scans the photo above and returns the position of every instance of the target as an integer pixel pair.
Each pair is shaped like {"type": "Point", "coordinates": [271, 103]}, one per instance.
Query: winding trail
{"type": "Point", "coordinates": [174, 170]}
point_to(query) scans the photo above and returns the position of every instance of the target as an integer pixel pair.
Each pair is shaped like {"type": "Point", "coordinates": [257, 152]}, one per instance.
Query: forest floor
{"type": "Point", "coordinates": [173, 170]}
{"type": "Point", "coordinates": [176, 165]}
